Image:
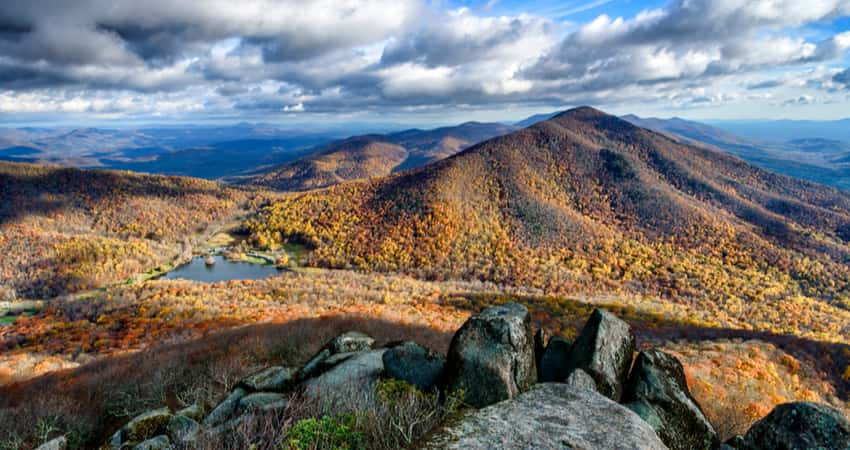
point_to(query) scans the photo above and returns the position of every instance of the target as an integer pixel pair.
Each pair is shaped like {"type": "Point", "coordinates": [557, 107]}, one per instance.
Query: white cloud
{"type": "Point", "coordinates": [347, 55]}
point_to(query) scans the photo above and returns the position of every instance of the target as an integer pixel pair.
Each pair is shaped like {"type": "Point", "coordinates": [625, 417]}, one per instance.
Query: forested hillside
{"type": "Point", "coordinates": [587, 202]}
{"type": "Point", "coordinates": [64, 230]}
{"type": "Point", "coordinates": [376, 155]}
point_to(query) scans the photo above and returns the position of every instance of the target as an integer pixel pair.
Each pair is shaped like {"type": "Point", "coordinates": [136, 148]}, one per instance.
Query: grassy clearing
{"type": "Point", "coordinates": [222, 239]}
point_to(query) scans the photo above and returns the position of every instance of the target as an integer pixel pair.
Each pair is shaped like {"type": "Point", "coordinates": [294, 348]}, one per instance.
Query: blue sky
{"type": "Point", "coordinates": [565, 11]}
{"type": "Point", "coordinates": [418, 61]}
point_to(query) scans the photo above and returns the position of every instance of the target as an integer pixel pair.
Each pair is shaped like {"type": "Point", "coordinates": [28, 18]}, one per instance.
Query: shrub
{"type": "Point", "coordinates": [402, 414]}
{"type": "Point", "coordinates": [329, 432]}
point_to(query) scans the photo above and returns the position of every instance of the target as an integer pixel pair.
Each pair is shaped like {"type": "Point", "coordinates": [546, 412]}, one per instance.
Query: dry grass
{"type": "Point", "coordinates": [90, 402]}
{"type": "Point", "coordinates": [394, 416]}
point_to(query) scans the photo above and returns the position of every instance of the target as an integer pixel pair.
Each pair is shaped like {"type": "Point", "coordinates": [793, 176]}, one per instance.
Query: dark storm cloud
{"type": "Point", "coordinates": [117, 35]}
{"type": "Point", "coordinates": [20, 78]}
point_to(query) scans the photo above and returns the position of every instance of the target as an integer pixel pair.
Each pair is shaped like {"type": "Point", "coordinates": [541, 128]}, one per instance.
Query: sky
{"type": "Point", "coordinates": [421, 62]}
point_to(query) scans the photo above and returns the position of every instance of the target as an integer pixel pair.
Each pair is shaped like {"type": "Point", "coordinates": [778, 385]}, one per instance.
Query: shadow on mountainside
{"type": "Point", "coordinates": [28, 190]}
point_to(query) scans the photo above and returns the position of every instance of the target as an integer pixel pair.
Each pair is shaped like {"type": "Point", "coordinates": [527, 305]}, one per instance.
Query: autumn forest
{"type": "Point", "coordinates": [741, 273]}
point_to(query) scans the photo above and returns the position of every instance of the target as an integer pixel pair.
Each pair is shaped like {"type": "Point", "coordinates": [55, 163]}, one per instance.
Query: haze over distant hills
{"type": "Point", "coordinates": [816, 159]}
{"type": "Point", "coordinates": [200, 151]}
{"type": "Point", "coordinates": [302, 159]}
{"type": "Point", "coordinates": [376, 155]}
{"type": "Point", "coordinates": [785, 130]}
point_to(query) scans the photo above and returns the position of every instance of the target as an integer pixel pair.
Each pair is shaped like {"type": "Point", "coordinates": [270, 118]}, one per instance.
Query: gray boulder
{"type": "Point", "coordinates": [350, 383]}
{"type": "Point", "coordinates": [259, 400]}
{"type": "Point", "coordinates": [154, 443]}
{"type": "Point", "coordinates": [658, 392]}
{"type": "Point", "coordinates": [800, 425]}
{"type": "Point", "coordinates": [226, 409]}
{"type": "Point", "coordinates": [553, 364]}
{"type": "Point", "coordinates": [314, 365]}
{"type": "Point", "coordinates": [549, 416]}
{"type": "Point", "coordinates": [604, 350]}
{"type": "Point", "coordinates": [491, 358]}
{"type": "Point", "coordinates": [182, 429]}
{"type": "Point", "coordinates": [344, 345]}
{"type": "Point", "coordinates": [142, 427]}
{"type": "Point", "coordinates": [581, 380]}
{"type": "Point", "coordinates": [273, 378]}
{"type": "Point", "coordinates": [351, 341]}
{"type": "Point", "coordinates": [194, 412]}
{"type": "Point", "coordinates": [60, 443]}
{"type": "Point", "coordinates": [413, 363]}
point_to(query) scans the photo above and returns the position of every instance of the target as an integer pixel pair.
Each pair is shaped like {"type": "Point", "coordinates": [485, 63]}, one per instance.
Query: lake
{"type": "Point", "coordinates": [223, 270]}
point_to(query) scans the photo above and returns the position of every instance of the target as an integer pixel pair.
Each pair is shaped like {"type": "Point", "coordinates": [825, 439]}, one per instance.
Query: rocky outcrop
{"type": "Point", "coordinates": [413, 363]}
{"type": "Point", "coordinates": [182, 429]}
{"type": "Point", "coordinates": [349, 382]}
{"type": "Point", "coordinates": [658, 392]}
{"type": "Point", "coordinates": [581, 380]}
{"type": "Point", "coordinates": [263, 400]}
{"type": "Point", "coordinates": [141, 428]}
{"type": "Point", "coordinates": [194, 412]}
{"type": "Point", "coordinates": [491, 358]}
{"type": "Point", "coordinates": [344, 369]}
{"type": "Point", "coordinates": [275, 378]}
{"type": "Point", "coordinates": [549, 416]}
{"type": "Point", "coordinates": [334, 352]}
{"type": "Point", "coordinates": [226, 409]}
{"type": "Point", "coordinates": [553, 363]}
{"type": "Point", "coordinates": [799, 425]}
{"type": "Point", "coordinates": [604, 350]}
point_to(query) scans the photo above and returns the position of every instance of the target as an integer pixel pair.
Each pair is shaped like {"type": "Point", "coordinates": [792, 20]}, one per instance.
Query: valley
{"type": "Point", "coordinates": [738, 271]}
{"type": "Point", "coordinates": [424, 225]}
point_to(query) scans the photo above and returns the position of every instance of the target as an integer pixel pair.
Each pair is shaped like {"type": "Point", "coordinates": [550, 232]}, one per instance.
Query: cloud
{"type": "Point", "coordinates": [326, 56]}
{"type": "Point", "coordinates": [842, 77]}
{"type": "Point", "coordinates": [767, 84]}
{"type": "Point", "coordinates": [143, 41]}
{"type": "Point", "coordinates": [801, 100]}
{"type": "Point", "coordinates": [298, 107]}
{"type": "Point", "coordinates": [459, 38]}
{"type": "Point", "coordinates": [689, 39]}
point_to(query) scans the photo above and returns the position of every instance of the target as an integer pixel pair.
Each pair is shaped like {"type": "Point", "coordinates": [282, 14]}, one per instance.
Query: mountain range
{"type": "Point", "coordinates": [199, 151]}
{"type": "Point", "coordinates": [376, 155]}
{"type": "Point", "coordinates": [816, 159]}
{"type": "Point", "coordinates": [587, 201]}
{"type": "Point", "coordinates": [745, 269]}
{"type": "Point", "coordinates": [303, 159]}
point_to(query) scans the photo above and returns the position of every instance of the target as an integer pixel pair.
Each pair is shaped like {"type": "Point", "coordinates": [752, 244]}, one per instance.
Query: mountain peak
{"type": "Point", "coordinates": [582, 112]}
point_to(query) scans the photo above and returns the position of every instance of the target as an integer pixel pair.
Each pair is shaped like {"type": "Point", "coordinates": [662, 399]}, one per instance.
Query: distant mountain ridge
{"type": "Point", "coordinates": [200, 151]}
{"type": "Point", "coordinates": [376, 155]}
{"type": "Point", "coordinates": [531, 120]}
{"type": "Point", "coordinates": [816, 159]}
